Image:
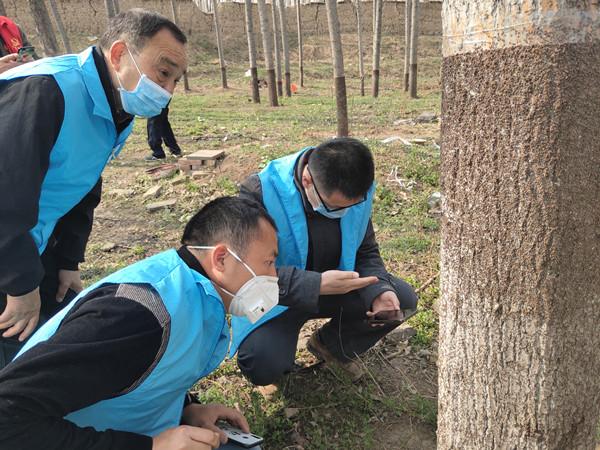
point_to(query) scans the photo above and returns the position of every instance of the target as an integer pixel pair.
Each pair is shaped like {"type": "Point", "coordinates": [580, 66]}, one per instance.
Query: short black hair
{"type": "Point", "coordinates": [344, 165]}
{"type": "Point", "coordinates": [136, 26]}
{"type": "Point", "coordinates": [226, 219]}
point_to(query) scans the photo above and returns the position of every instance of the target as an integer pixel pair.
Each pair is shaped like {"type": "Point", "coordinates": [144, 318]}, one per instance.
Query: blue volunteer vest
{"type": "Point", "coordinates": [197, 344]}
{"type": "Point", "coordinates": [283, 201]}
{"type": "Point", "coordinates": [87, 140]}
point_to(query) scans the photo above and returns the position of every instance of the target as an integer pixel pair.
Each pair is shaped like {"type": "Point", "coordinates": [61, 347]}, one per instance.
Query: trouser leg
{"type": "Point", "coordinates": [154, 127]}
{"type": "Point", "coordinates": [168, 135]}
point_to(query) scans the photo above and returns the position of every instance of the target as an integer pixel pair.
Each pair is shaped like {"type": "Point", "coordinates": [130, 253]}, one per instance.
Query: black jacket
{"type": "Point", "coordinates": [299, 288]}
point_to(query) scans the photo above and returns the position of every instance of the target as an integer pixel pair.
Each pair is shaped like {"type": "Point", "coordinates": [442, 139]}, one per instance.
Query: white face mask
{"type": "Point", "coordinates": [256, 297]}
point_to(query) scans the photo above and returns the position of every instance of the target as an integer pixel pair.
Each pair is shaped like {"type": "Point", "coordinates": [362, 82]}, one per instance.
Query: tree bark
{"type": "Point", "coordinates": [414, 43]}
{"type": "Point", "coordinates": [60, 26]}
{"type": "Point", "coordinates": [252, 51]}
{"type": "Point", "coordinates": [361, 61]}
{"type": "Point", "coordinates": [186, 82]}
{"type": "Point", "coordinates": [267, 39]}
{"type": "Point", "coordinates": [286, 48]}
{"type": "Point", "coordinates": [276, 38]}
{"type": "Point", "coordinates": [520, 284]}
{"type": "Point", "coordinates": [407, 31]}
{"type": "Point", "coordinates": [338, 67]}
{"type": "Point", "coordinates": [300, 44]}
{"type": "Point", "coordinates": [215, 5]}
{"type": "Point", "coordinates": [378, 10]}
{"type": "Point", "coordinates": [43, 26]}
{"type": "Point", "coordinates": [110, 8]}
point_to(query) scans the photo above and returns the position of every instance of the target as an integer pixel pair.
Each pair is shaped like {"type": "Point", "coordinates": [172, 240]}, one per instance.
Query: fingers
{"type": "Point", "coordinates": [61, 292]}
{"type": "Point", "coordinates": [235, 418]}
{"type": "Point", "coordinates": [29, 328]}
{"type": "Point", "coordinates": [204, 435]}
{"type": "Point", "coordinates": [16, 328]}
{"type": "Point", "coordinates": [216, 429]}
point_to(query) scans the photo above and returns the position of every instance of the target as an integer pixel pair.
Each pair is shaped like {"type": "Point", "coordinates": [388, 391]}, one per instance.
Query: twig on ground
{"type": "Point", "coordinates": [427, 283]}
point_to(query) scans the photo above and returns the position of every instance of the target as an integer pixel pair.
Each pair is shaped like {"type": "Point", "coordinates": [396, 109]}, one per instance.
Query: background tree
{"type": "Point", "coordinates": [110, 8]}
{"type": "Point", "coordinates": [186, 82]}
{"type": "Point", "coordinates": [43, 26]}
{"type": "Point", "coordinates": [286, 47]}
{"type": "Point", "coordinates": [267, 39]}
{"type": "Point", "coordinates": [407, 34]}
{"type": "Point", "coordinates": [276, 40]}
{"type": "Point", "coordinates": [116, 6]}
{"type": "Point", "coordinates": [520, 300]}
{"type": "Point", "coordinates": [414, 43]}
{"type": "Point", "coordinates": [338, 67]}
{"type": "Point", "coordinates": [300, 44]}
{"type": "Point", "coordinates": [2, 9]}
{"type": "Point", "coordinates": [361, 61]}
{"type": "Point", "coordinates": [215, 6]}
{"type": "Point", "coordinates": [378, 10]}
{"type": "Point", "coordinates": [252, 51]}
{"type": "Point", "coordinates": [60, 26]}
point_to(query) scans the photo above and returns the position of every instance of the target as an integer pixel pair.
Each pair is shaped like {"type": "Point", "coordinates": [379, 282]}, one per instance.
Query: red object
{"type": "Point", "coordinates": [294, 88]}
{"type": "Point", "coordinates": [10, 34]}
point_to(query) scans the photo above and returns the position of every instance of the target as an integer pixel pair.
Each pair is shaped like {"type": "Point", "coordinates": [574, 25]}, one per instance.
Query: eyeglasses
{"type": "Point", "coordinates": [328, 209]}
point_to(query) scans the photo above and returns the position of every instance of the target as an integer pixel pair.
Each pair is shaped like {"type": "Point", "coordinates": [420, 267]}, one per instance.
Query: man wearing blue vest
{"type": "Point", "coordinates": [112, 369]}
{"type": "Point", "coordinates": [61, 121]}
{"type": "Point", "coordinates": [329, 264]}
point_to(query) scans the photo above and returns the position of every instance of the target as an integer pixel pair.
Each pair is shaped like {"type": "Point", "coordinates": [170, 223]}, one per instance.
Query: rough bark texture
{"type": "Point", "coordinates": [267, 39]}
{"type": "Point", "coordinates": [252, 51]}
{"type": "Point", "coordinates": [300, 44]}
{"type": "Point", "coordinates": [43, 26]}
{"type": "Point", "coordinates": [361, 61]}
{"type": "Point", "coordinates": [378, 11]}
{"type": "Point", "coordinates": [520, 307]}
{"type": "Point", "coordinates": [338, 67]}
{"type": "Point", "coordinates": [286, 47]}
{"type": "Point", "coordinates": [414, 44]}
{"type": "Point", "coordinates": [276, 39]}
{"type": "Point", "coordinates": [407, 26]}
{"type": "Point", "coordinates": [186, 82]}
{"type": "Point", "coordinates": [60, 26]}
{"type": "Point", "coordinates": [219, 44]}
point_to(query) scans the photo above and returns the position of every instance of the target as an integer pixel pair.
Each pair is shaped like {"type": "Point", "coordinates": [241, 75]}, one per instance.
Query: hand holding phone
{"type": "Point", "coordinates": [26, 53]}
{"type": "Point", "coordinates": [245, 440]}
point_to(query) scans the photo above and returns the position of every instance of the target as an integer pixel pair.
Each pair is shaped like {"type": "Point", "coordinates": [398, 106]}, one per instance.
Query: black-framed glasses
{"type": "Point", "coordinates": [327, 208]}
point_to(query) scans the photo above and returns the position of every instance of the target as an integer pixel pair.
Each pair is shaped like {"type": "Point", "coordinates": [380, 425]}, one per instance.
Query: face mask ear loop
{"type": "Point", "coordinates": [245, 265]}
{"type": "Point", "coordinates": [133, 59]}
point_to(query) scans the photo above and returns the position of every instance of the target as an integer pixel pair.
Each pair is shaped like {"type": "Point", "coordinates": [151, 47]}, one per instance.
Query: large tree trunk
{"type": "Point", "coordinates": [414, 44]}
{"type": "Point", "coordinates": [407, 31]}
{"type": "Point", "coordinates": [186, 82]}
{"type": "Point", "coordinates": [338, 67]}
{"type": "Point", "coordinates": [286, 48]}
{"type": "Point", "coordinates": [276, 39]}
{"type": "Point", "coordinates": [43, 26]}
{"type": "Point", "coordinates": [519, 357]}
{"type": "Point", "coordinates": [215, 6]}
{"type": "Point", "coordinates": [252, 51]}
{"type": "Point", "coordinates": [110, 8]}
{"type": "Point", "coordinates": [300, 46]}
{"type": "Point", "coordinates": [60, 26]}
{"type": "Point", "coordinates": [378, 11]}
{"type": "Point", "coordinates": [267, 39]}
{"type": "Point", "coordinates": [361, 60]}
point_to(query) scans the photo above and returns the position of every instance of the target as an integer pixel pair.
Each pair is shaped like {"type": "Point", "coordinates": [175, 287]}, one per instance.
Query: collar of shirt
{"type": "Point", "coordinates": [298, 169]}
{"type": "Point", "coordinates": [191, 260]}
{"type": "Point", "coordinates": [120, 117]}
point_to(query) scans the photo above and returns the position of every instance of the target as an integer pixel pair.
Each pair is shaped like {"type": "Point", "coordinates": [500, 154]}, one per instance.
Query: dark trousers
{"type": "Point", "coordinates": [269, 351]}
{"type": "Point", "coordinates": [9, 347]}
{"type": "Point", "coordinates": [159, 131]}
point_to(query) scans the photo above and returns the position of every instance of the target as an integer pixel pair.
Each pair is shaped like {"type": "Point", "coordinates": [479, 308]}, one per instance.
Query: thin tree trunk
{"type": "Point", "coordinates": [60, 26]}
{"type": "Point", "coordinates": [414, 44]}
{"type": "Point", "coordinates": [300, 45]}
{"type": "Point", "coordinates": [276, 39]}
{"type": "Point", "coordinates": [186, 82]}
{"type": "Point", "coordinates": [377, 45]}
{"type": "Point", "coordinates": [110, 8]}
{"type": "Point", "coordinates": [286, 48]}
{"type": "Point", "coordinates": [215, 5]}
{"type": "Point", "coordinates": [361, 60]}
{"type": "Point", "coordinates": [519, 357]}
{"type": "Point", "coordinates": [267, 39]}
{"type": "Point", "coordinates": [2, 9]}
{"type": "Point", "coordinates": [407, 27]}
{"type": "Point", "coordinates": [252, 51]}
{"type": "Point", "coordinates": [338, 67]}
{"type": "Point", "coordinates": [116, 6]}
{"type": "Point", "coordinates": [43, 26]}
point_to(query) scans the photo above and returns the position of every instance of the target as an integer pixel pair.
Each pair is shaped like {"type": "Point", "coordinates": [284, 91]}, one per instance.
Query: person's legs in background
{"type": "Point", "coordinates": [155, 133]}
{"type": "Point", "coordinates": [168, 136]}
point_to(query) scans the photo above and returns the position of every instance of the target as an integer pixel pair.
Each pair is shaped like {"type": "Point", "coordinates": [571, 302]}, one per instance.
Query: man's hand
{"type": "Point", "coordinates": [21, 315]}
{"type": "Point", "coordinates": [186, 437]}
{"type": "Point", "coordinates": [341, 282]}
{"type": "Point", "coordinates": [9, 61]}
{"type": "Point", "coordinates": [68, 279]}
{"type": "Point", "coordinates": [386, 301]}
{"type": "Point", "coordinates": [206, 416]}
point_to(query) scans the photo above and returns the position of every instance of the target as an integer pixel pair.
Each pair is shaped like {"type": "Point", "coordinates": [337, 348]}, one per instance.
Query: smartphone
{"type": "Point", "coordinates": [25, 51]}
{"type": "Point", "coordinates": [395, 317]}
{"type": "Point", "coordinates": [245, 440]}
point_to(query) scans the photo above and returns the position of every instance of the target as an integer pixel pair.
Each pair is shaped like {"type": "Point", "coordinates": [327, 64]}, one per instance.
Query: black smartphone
{"type": "Point", "coordinates": [25, 51]}
{"type": "Point", "coordinates": [393, 317]}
